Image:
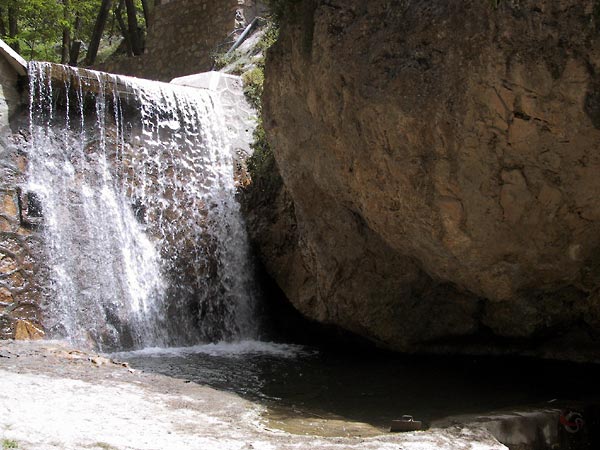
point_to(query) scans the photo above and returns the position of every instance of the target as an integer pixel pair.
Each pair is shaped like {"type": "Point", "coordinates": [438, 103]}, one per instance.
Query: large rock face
{"type": "Point", "coordinates": [443, 161]}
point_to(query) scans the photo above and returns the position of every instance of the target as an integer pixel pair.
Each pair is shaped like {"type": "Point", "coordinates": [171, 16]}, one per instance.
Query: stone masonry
{"type": "Point", "coordinates": [19, 290]}
{"type": "Point", "coordinates": [24, 286]}
{"type": "Point", "coordinates": [184, 36]}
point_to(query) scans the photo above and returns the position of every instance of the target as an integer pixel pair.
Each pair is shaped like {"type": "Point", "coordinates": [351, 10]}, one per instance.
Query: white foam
{"type": "Point", "coordinates": [225, 349]}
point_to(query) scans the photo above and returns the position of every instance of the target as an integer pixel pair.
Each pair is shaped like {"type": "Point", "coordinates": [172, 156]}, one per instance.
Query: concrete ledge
{"type": "Point", "coordinates": [240, 117]}
{"type": "Point", "coordinates": [206, 80]}
{"type": "Point", "coordinates": [15, 60]}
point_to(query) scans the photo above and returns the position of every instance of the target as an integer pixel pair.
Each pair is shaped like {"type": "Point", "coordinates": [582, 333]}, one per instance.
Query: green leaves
{"type": "Point", "coordinates": [38, 30]}
{"type": "Point", "coordinates": [39, 26]}
{"type": "Point", "coordinates": [253, 86]}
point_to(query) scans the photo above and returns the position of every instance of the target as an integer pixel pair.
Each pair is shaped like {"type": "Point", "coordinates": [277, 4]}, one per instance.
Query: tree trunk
{"type": "Point", "coordinates": [92, 52]}
{"type": "Point", "coordinates": [13, 27]}
{"type": "Point", "coordinates": [123, 27]}
{"type": "Point", "coordinates": [2, 22]}
{"type": "Point", "coordinates": [146, 9]}
{"type": "Point", "coordinates": [75, 42]}
{"type": "Point", "coordinates": [74, 55]}
{"type": "Point", "coordinates": [134, 33]}
{"type": "Point", "coordinates": [66, 35]}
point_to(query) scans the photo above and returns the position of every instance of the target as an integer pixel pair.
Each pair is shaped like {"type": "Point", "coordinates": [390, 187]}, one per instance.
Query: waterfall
{"type": "Point", "coordinates": [144, 240]}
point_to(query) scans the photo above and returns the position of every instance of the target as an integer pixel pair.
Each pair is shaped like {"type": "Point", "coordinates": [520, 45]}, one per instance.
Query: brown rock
{"type": "Point", "coordinates": [7, 264]}
{"type": "Point", "coordinates": [442, 162]}
{"type": "Point", "coordinates": [17, 280]}
{"type": "Point", "coordinates": [5, 225]}
{"type": "Point", "coordinates": [9, 205]}
{"type": "Point", "coordinates": [27, 331]}
{"type": "Point", "coordinates": [5, 295]}
{"type": "Point", "coordinates": [515, 197]}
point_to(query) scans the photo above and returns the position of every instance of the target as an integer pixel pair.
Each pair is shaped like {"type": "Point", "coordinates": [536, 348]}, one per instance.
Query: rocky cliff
{"type": "Point", "coordinates": [441, 164]}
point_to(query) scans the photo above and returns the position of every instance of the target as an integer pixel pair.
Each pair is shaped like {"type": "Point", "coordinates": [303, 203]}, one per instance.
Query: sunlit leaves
{"type": "Point", "coordinates": [41, 24]}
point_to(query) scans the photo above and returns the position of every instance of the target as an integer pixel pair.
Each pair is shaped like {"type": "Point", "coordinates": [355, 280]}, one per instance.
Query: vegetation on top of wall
{"type": "Point", "coordinates": [269, 37]}
{"type": "Point", "coordinates": [222, 60]}
{"type": "Point", "coordinates": [254, 78]}
{"type": "Point", "coordinates": [253, 86]}
{"type": "Point", "coordinates": [74, 31]}
{"type": "Point", "coordinates": [250, 64]}
{"type": "Point", "coordinates": [261, 165]}
{"type": "Point", "coordinates": [9, 443]}
{"type": "Point", "coordinates": [242, 60]}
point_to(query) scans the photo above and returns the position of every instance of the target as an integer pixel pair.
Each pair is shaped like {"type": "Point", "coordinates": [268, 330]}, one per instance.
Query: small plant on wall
{"type": "Point", "coordinates": [9, 443]}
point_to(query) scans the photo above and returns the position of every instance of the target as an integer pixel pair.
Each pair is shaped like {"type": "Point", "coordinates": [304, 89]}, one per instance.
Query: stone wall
{"type": "Point", "coordinates": [19, 289]}
{"type": "Point", "coordinates": [27, 294]}
{"type": "Point", "coordinates": [184, 35]}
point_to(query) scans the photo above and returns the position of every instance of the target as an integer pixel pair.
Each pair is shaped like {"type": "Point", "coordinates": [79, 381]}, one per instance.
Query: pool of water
{"type": "Point", "coordinates": [308, 391]}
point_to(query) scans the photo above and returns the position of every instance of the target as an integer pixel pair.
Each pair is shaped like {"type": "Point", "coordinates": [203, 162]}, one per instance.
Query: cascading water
{"type": "Point", "coordinates": [144, 238]}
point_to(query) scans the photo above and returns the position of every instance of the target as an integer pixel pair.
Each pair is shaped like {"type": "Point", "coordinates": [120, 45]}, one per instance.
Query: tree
{"type": "Point", "coordinates": [13, 27]}
{"type": "Point", "coordinates": [33, 26]}
{"type": "Point", "coordinates": [133, 28]}
{"type": "Point", "coordinates": [118, 14]}
{"type": "Point", "coordinates": [146, 9]}
{"type": "Point", "coordinates": [66, 37]}
{"type": "Point", "coordinates": [90, 58]}
{"type": "Point", "coordinates": [56, 30]}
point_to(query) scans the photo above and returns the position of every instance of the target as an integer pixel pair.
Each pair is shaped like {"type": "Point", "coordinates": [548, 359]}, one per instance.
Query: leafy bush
{"type": "Point", "coordinates": [253, 86]}
{"type": "Point", "coordinates": [261, 165]}
{"type": "Point", "coordinates": [223, 59]}
{"type": "Point", "coordinates": [269, 37]}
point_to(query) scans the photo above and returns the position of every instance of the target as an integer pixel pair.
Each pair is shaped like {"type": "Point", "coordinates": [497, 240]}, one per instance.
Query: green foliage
{"type": "Point", "coordinates": [262, 165]}
{"type": "Point", "coordinates": [9, 443]}
{"type": "Point", "coordinates": [253, 86]}
{"type": "Point", "coordinates": [269, 37]}
{"type": "Point", "coordinates": [39, 26]}
{"type": "Point", "coordinates": [224, 59]}
{"type": "Point", "coordinates": [41, 23]}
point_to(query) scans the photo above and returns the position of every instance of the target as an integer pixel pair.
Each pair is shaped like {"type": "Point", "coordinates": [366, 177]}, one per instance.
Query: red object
{"type": "Point", "coordinates": [572, 421]}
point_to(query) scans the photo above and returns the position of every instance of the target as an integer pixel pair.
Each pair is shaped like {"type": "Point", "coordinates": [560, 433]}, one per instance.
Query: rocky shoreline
{"type": "Point", "coordinates": [54, 396]}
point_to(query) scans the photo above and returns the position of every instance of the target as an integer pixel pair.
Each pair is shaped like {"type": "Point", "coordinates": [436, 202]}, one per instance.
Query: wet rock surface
{"type": "Point", "coordinates": [21, 271]}
{"type": "Point", "coordinates": [441, 162]}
